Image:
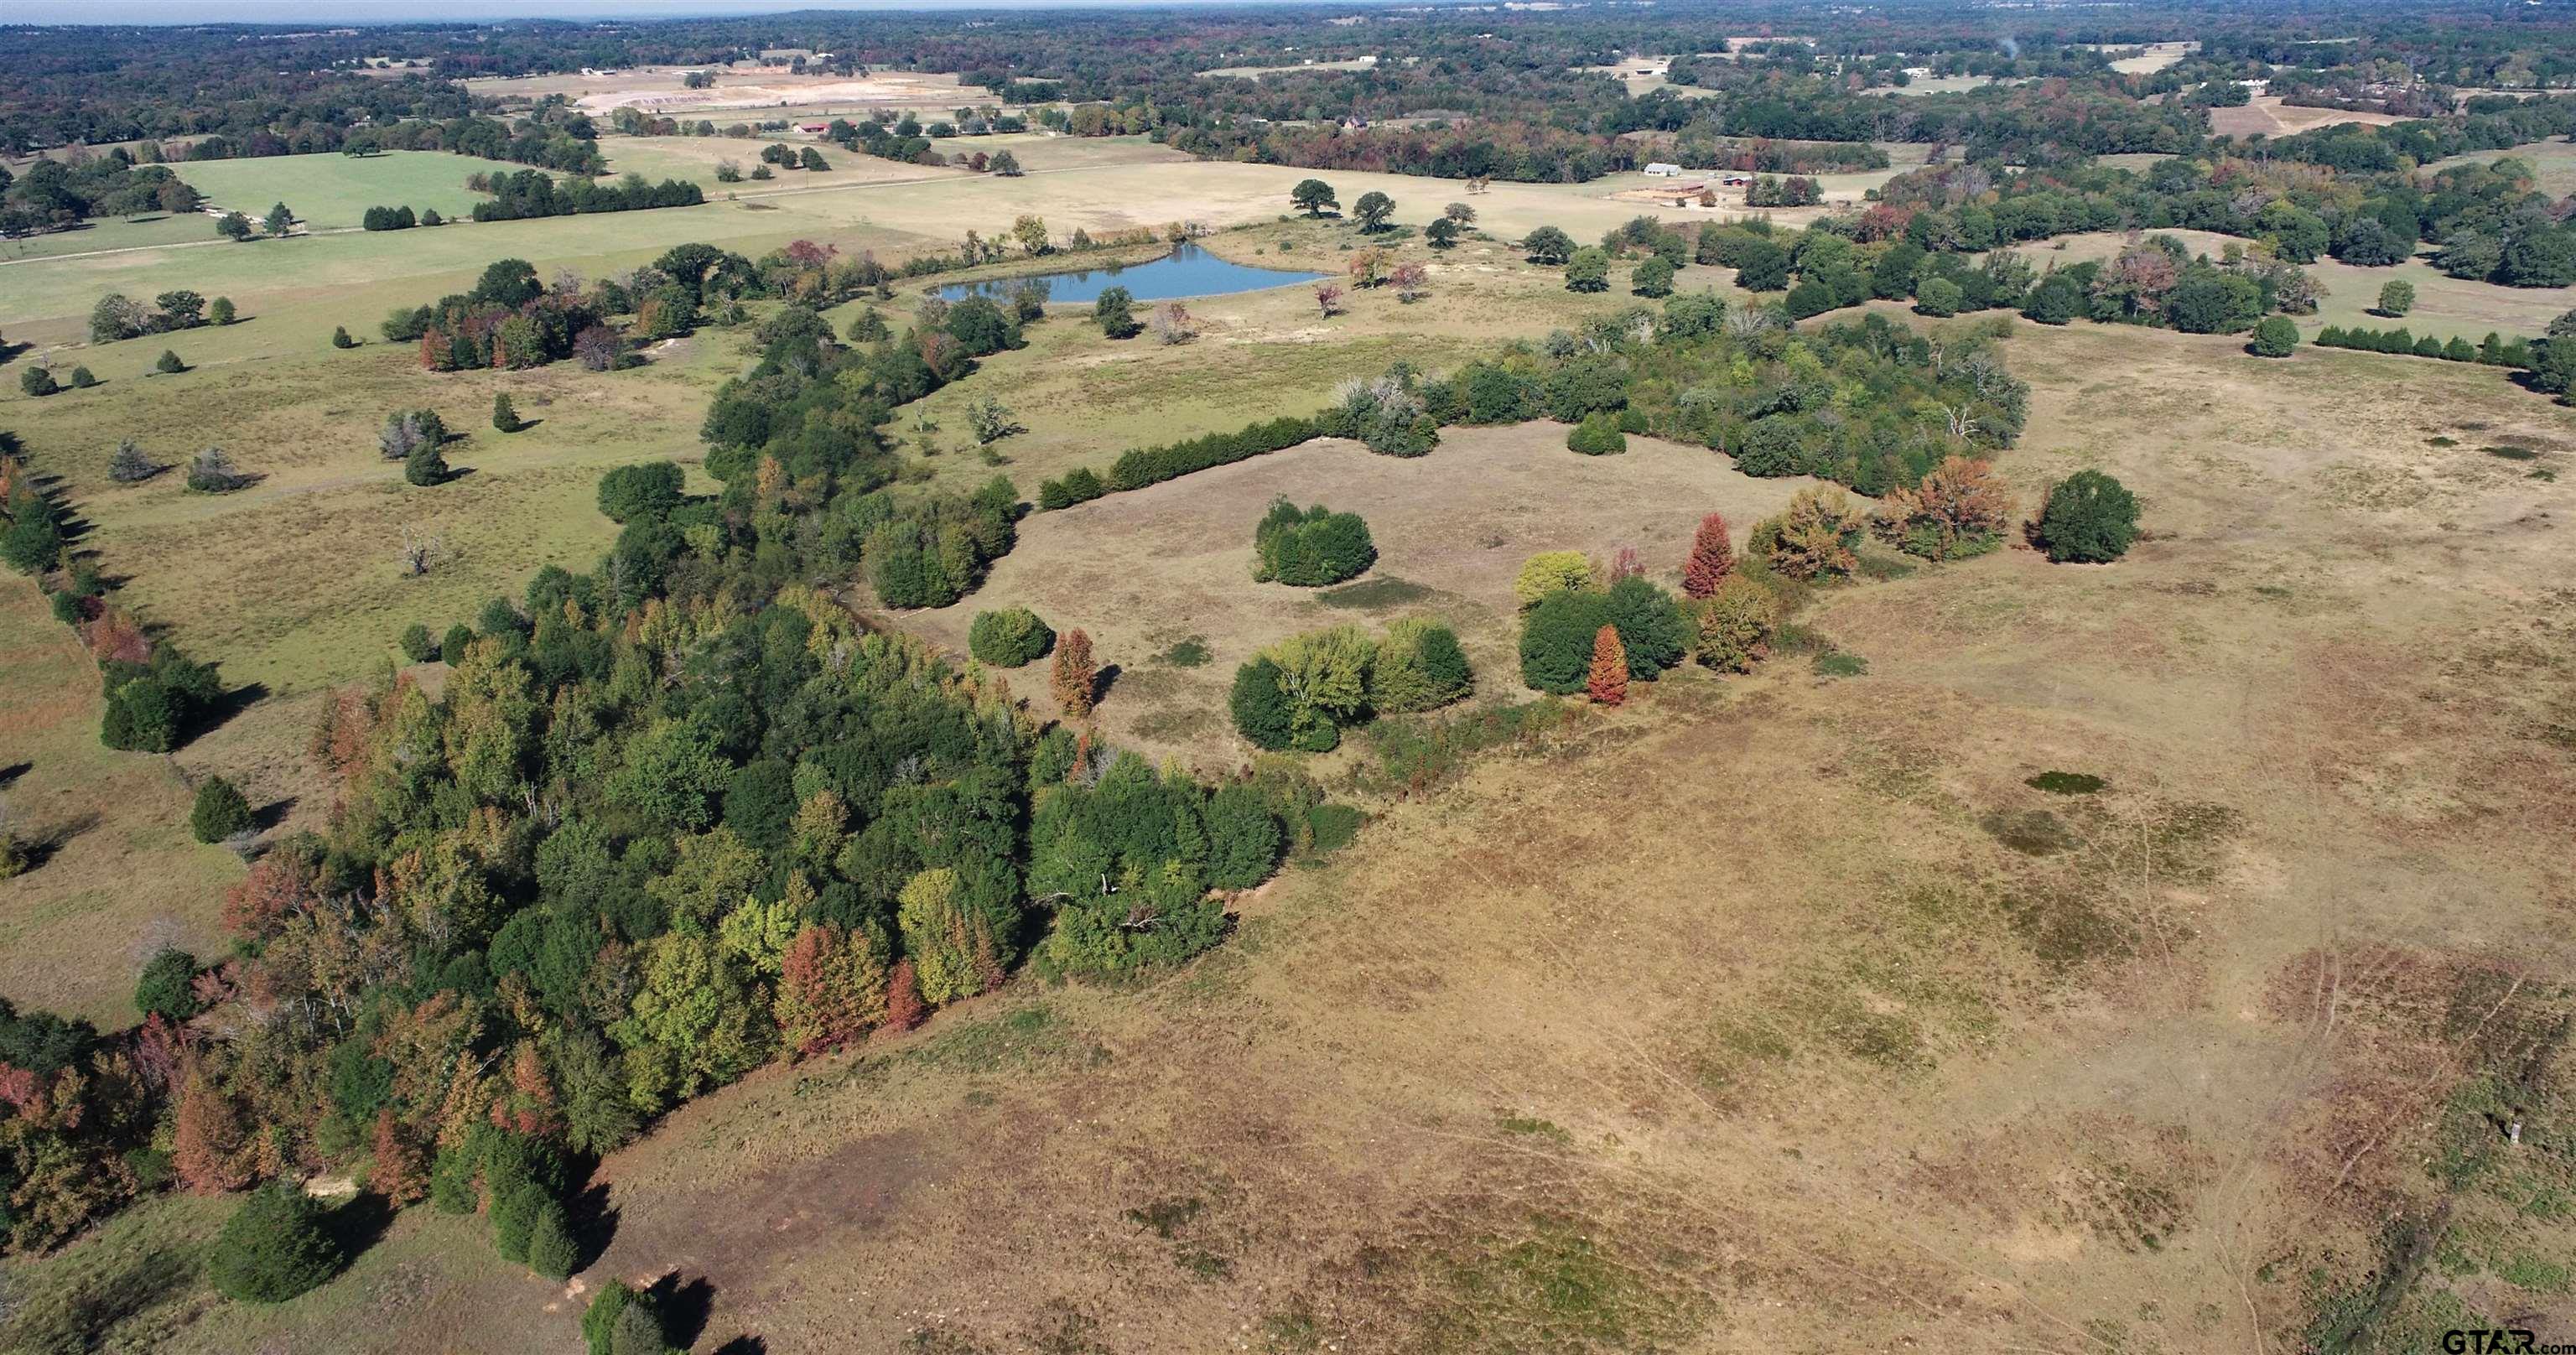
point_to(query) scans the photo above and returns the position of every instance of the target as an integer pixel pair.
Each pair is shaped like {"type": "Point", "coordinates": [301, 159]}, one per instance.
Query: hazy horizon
{"type": "Point", "coordinates": [335, 13]}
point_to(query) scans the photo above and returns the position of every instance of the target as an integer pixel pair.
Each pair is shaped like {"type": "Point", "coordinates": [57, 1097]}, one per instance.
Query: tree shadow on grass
{"type": "Point", "coordinates": [1105, 682]}
{"type": "Point", "coordinates": [273, 813]}
{"type": "Point", "coordinates": [745, 1344]}
{"type": "Point", "coordinates": [684, 1306]}
{"type": "Point", "coordinates": [45, 846]}
{"type": "Point", "coordinates": [9, 775]}
{"type": "Point", "coordinates": [594, 1225]}
{"type": "Point", "coordinates": [360, 1222]}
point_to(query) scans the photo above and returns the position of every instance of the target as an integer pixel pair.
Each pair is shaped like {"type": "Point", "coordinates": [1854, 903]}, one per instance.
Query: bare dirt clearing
{"type": "Point", "coordinates": [2266, 115]}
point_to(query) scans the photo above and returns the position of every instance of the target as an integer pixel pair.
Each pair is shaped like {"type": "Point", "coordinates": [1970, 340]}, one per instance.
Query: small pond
{"type": "Point", "coordinates": [1187, 271]}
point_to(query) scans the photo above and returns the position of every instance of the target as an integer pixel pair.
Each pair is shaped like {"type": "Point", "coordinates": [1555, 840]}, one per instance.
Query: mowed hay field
{"type": "Point", "coordinates": [1452, 530]}
{"type": "Point", "coordinates": [333, 191]}
{"type": "Point", "coordinates": [1778, 1005]}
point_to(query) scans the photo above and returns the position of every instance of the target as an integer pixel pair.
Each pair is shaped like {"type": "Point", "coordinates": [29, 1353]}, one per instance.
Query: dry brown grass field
{"type": "Point", "coordinates": [1779, 1012]}
{"type": "Point", "coordinates": [1452, 527]}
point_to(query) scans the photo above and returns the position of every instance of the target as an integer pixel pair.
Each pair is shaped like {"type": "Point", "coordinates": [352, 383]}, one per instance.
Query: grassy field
{"type": "Point", "coordinates": [293, 583]}
{"type": "Point", "coordinates": [2553, 164]}
{"type": "Point", "coordinates": [354, 278]}
{"type": "Point", "coordinates": [1776, 1004]}
{"type": "Point", "coordinates": [141, 232]}
{"type": "Point", "coordinates": [332, 190]}
{"type": "Point", "coordinates": [2444, 305]}
{"type": "Point", "coordinates": [118, 876]}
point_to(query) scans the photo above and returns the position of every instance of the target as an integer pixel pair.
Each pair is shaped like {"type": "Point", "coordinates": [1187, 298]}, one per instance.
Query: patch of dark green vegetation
{"type": "Point", "coordinates": [2441, 442]}
{"type": "Point", "coordinates": [1334, 827]}
{"type": "Point", "coordinates": [1376, 594]}
{"type": "Point", "coordinates": [1189, 653]}
{"type": "Point", "coordinates": [2066, 783]}
{"type": "Point", "coordinates": [2031, 832]}
{"type": "Point", "coordinates": [1554, 1287]}
{"type": "Point", "coordinates": [1530, 1126]}
{"type": "Point", "coordinates": [1840, 664]}
{"type": "Point", "coordinates": [2511, 453]}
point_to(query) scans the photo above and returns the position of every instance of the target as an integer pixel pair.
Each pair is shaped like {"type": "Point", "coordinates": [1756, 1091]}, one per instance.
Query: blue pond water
{"type": "Point", "coordinates": [1187, 271]}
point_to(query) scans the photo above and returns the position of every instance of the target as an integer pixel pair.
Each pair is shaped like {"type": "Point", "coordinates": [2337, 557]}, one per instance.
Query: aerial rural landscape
{"type": "Point", "coordinates": [1549, 678]}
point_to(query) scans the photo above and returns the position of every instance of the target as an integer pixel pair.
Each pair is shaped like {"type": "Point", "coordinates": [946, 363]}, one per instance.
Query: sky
{"type": "Point", "coordinates": [325, 13]}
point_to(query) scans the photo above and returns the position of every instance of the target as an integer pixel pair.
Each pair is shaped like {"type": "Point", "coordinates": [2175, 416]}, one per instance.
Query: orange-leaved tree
{"type": "Point", "coordinates": [1076, 678]}
{"type": "Point", "coordinates": [1608, 683]}
{"type": "Point", "coordinates": [1712, 557]}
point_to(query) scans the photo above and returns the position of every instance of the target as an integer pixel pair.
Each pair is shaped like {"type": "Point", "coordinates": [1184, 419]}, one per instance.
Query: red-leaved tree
{"type": "Point", "coordinates": [1608, 683]}
{"type": "Point", "coordinates": [397, 1175]}
{"type": "Point", "coordinates": [903, 998]}
{"type": "Point", "coordinates": [208, 1148]}
{"type": "Point", "coordinates": [831, 988]}
{"type": "Point", "coordinates": [1712, 557]}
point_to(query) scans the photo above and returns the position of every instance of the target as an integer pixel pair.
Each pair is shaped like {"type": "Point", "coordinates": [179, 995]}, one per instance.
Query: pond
{"type": "Point", "coordinates": [1187, 271]}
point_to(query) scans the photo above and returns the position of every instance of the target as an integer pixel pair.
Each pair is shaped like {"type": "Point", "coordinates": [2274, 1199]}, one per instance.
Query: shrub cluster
{"type": "Point", "coordinates": [1559, 631]}
{"type": "Point", "coordinates": [1009, 638]}
{"type": "Point", "coordinates": [1138, 467]}
{"type": "Point", "coordinates": [1303, 691]}
{"type": "Point", "coordinates": [1310, 548]}
{"type": "Point", "coordinates": [2495, 351]}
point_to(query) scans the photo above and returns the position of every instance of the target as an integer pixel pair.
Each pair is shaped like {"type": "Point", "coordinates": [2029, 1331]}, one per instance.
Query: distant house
{"type": "Point", "coordinates": [813, 128]}
{"type": "Point", "coordinates": [1661, 170]}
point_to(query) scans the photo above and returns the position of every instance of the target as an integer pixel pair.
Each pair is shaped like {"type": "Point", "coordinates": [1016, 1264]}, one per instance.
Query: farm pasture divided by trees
{"type": "Point", "coordinates": [614, 733]}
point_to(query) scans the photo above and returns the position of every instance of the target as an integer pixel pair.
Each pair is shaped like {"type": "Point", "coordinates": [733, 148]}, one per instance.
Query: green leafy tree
{"type": "Point", "coordinates": [2275, 336]}
{"type": "Point", "coordinates": [1419, 666]}
{"type": "Point", "coordinates": [83, 378]}
{"type": "Point", "coordinates": [1597, 435]}
{"type": "Point", "coordinates": [220, 311]}
{"type": "Point", "coordinates": [1732, 625]}
{"type": "Point", "coordinates": [220, 811]}
{"type": "Point", "coordinates": [1443, 233]}
{"type": "Point", "coordinates": [551, 1249]}
{"type": "Point", "coordinates": [2090, 518]}
{"type": "Point", "coordinates": [505, 415]}
{"type": "Point", "coordinates": [340, 337]}
{"type": "Point", "coordinates": [38, 382]}
{"type": "Point", "coordinates": [1115, 312]}
{"type": "Point", "coordinates": [1312, 196]}
{"type": "Point", "coordinates": [168, 364]}
{"type": "Point", "coordinates": [426, 465]}
{"type": "Point", "coordinates": [1588, 270]}
{"type": "Point", "coordinates": [514, 1217]}
{"type": "Point", "coordinates": [1260, 705]}
{"type": "Point", "coordinates": [417, 644]}
{"type": "Point", "coordinates": [1652, 278]}
{"type": "Point", "coordinates": [1009, 638]}
{"type": "Point", "coordinates": [279, 220]}
{"type": "Point", "coordinates": [166, 987]}
{"type": "Point", "coordinates": [276, 1246]}
{"type": "Point", "coordinates": [2057, 299]}
{"type": "Point", "coordinates": [2396, 298]}
{"type": "Point", "coordinates": [233, 226]}
{"type": "Point", "coordinates": [1372, 210]}
{"type": "Point", "coordinates": [1548, 245]}
{"type": "Point", "coordinates": [1938, 297]}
